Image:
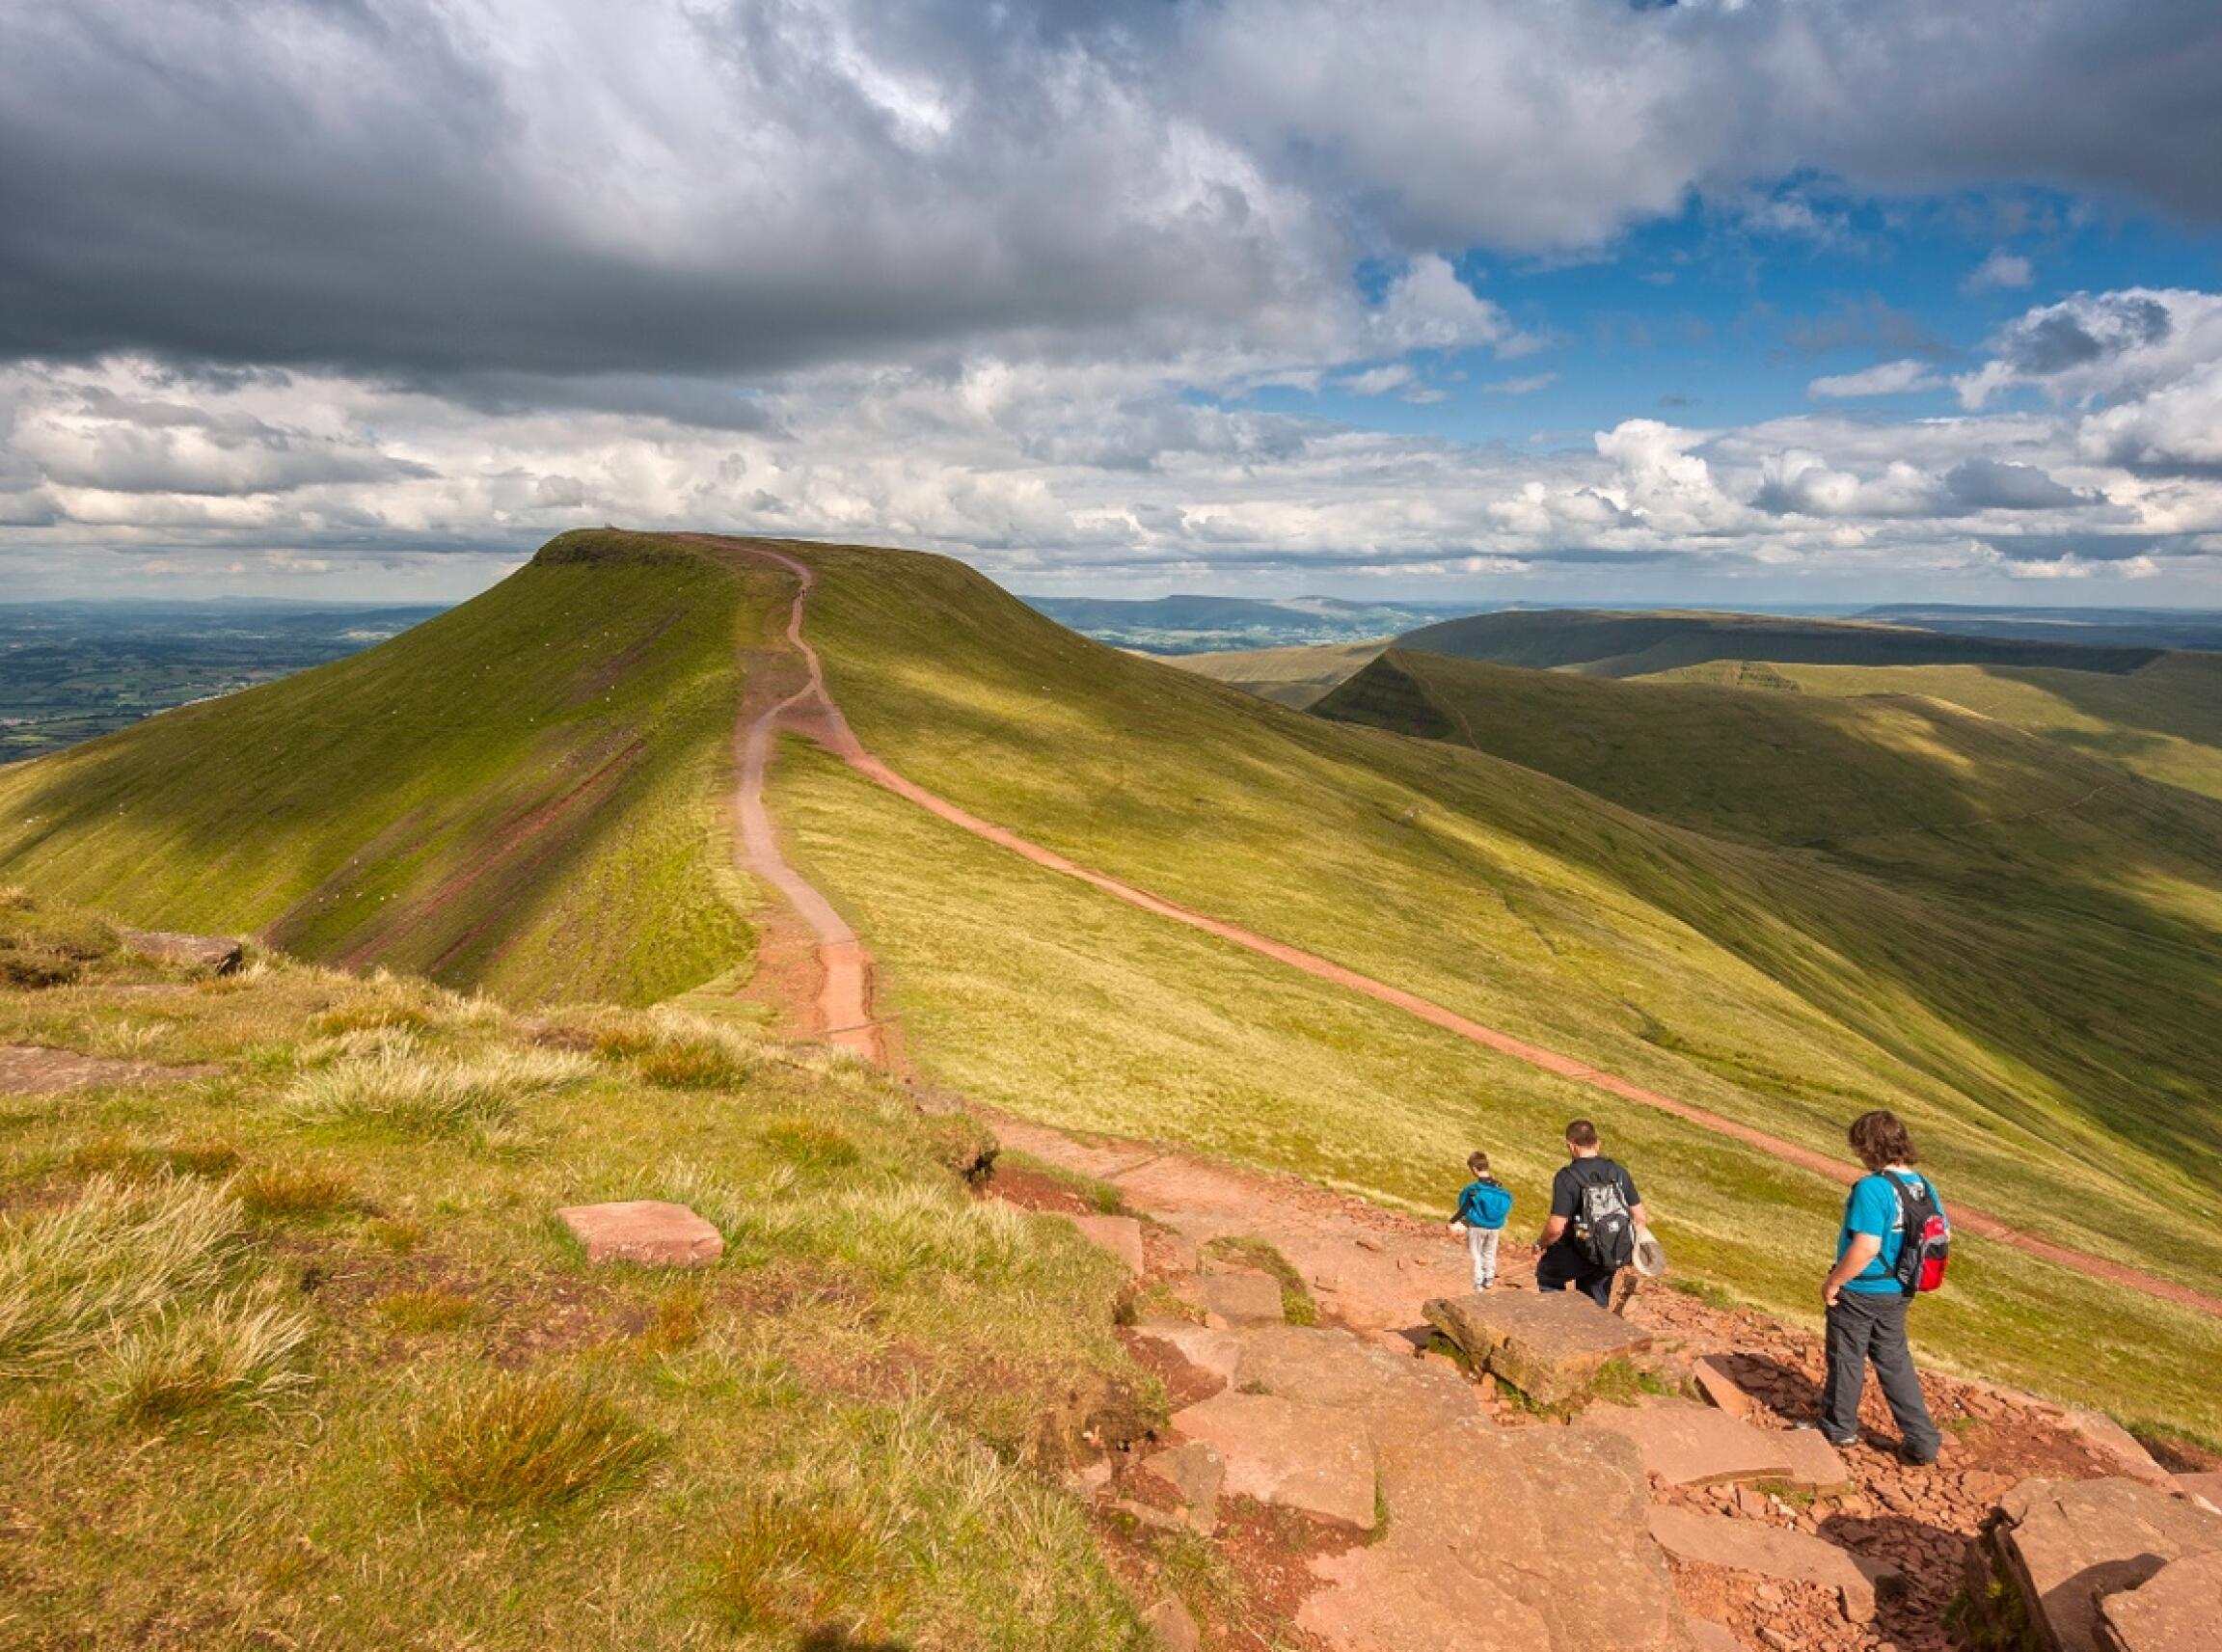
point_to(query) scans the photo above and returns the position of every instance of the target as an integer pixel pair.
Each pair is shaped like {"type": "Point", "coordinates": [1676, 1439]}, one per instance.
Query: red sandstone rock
{"type": "Point", "coordinates": [2178, 1609]}
{"type": "Point", "coordinates": [1316, 1459]}
{"type": "Point", "coordinates": [1685, 1444]}
{"type": "Point", "coordinates": [2067, 1545]}
{"type": "Point", "coordinates": [1121, 1235]}
{"type": "Point", "coordinates": [1243, 1297]}
{"type": "Point", "coordinates": [1772, 1553]}
{"type": "Point", "coordinates": [1716, 1384]}
{"type": "Point", "coordinates": [646, 1231]}
{"type": "Point", "coordinates": [1548, 1346]}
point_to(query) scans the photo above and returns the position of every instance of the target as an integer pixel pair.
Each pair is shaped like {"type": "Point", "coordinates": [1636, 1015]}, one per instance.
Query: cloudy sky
{"type": "Point", "coordinates": [1727, 300]}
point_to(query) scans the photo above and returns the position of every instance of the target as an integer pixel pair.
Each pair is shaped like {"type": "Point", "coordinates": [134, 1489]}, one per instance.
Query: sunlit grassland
{"type": "Point", "coordinates": [358, 1387]}
{"type": "Point", "coordinates": [520, 795]}
{"type": "Point", "coordinates": [1031, 992]}
{"type": "Point", "coordinates": [2163, 721]}
{"type": "Point", "coordinates": [1293, 677]}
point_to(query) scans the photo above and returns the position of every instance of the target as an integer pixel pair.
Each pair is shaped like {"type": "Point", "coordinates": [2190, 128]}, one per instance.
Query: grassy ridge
{"type": "Point", "coordinates": [294, 1355]}
{"type": "Point", "coordinates": [520, 794]}
{"type": "Point", "coordinates": [1610, 644]}
{"type": "Point", "coordinates": [1696, 966]}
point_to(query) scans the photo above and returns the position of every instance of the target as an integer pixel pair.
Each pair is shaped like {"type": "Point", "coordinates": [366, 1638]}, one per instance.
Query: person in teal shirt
{"type": "Point", "coordinates": [1867, 1303]}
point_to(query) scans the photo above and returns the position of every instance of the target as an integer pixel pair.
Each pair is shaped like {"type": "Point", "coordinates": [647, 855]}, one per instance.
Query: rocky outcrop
{"type": "Point", "coordinates": [645, 1230]}
{"type": "Point", "coordinates": [218, 955]}
{"type": "Point", "coordinates": [1547, 1345]}
{"type": "Point", "coordinates": [2062, 1551]}
{"type": "Point", "coordinates": [1296, 1454]}
{"type": "Point", "coordinates": [1771, 1551]}
{"type": "Point", "coordinates": [2176, 1609]}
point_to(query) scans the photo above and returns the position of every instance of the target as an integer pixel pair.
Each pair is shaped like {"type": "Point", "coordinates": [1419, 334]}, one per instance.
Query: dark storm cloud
{"type": "Point", "coordinates": [2053, 341]}
{"type": "Point", "coordinates": [579, 193]}
{"type": "Point", "coordinates": [1993, 484]}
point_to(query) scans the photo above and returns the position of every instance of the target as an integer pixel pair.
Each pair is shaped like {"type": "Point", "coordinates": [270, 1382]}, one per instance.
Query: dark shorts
{"type": "Point", "coordinates": [1562, 1265]}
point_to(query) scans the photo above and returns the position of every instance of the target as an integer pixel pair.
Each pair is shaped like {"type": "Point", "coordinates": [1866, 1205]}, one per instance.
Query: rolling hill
{"type": "Point", "coordinates": [520, 794]}
{"type": "Point", "coordinates": [2044, 1014]}
{"type": "Point", "coordinates": [1292, 677]}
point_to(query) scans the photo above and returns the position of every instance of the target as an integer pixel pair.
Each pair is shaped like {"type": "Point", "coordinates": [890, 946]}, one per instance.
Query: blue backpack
{"type": "Point", "coordinates": [1489, 1202]}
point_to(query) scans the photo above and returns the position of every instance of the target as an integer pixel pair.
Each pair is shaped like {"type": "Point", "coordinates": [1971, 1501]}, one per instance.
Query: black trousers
{"type": "Point", "coordinates": [1562, 1265]}
{"type": "Point", "coordinates": [1869, 1327]}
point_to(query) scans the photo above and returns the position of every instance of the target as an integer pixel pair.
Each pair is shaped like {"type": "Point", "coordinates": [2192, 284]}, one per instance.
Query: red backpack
{"type": "Point", "coordinates": [1927, 1245]}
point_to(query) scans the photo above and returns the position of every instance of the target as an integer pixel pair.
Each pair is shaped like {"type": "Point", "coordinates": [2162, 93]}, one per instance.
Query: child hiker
{"type": "Point", "coordinates": [1483, 1203]}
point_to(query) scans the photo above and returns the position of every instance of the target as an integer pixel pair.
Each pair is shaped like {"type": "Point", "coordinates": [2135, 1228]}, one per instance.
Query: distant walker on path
{"type": "Point", "coordinates": [1595, 1211]}
{"type": "Point", "coordinates": [1874, 1281]}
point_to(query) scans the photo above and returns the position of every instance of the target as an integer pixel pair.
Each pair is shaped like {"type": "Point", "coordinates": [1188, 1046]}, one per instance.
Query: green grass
{"type": "Point", "coordinates": [402, 1411]}
{"type": "Point", "coordinates": [1771, 986]}
{"type": "Point", "coordinates": [1292, 677]}
{"type": "Point", "coordinates": [523, 794]}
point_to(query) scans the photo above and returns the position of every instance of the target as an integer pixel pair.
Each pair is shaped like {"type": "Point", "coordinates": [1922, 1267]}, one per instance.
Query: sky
{"type": "Point", "coordinates": [1724, 301]}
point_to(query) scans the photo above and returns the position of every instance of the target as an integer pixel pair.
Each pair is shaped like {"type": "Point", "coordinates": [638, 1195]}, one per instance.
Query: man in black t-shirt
{"type": "Point", "coordinates": [1560, 1260]}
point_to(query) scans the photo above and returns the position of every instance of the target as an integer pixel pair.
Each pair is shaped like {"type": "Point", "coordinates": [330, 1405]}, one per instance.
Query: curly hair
{"type": "Point", "coordinates": [1880, 1139]}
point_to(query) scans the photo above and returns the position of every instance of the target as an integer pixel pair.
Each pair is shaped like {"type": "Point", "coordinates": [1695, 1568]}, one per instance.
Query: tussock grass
{"type": "Point", "coordinates": [426, 1312]}
{"type": "Point", "coordinates": [113, 1259]}
{"type": "Point", "coordinates": [283, 1190]}
{"type": "Point", "coordinates": [525, 1443]}
{"type": "Point", "coordinates": [41, 947]}
{"type": "Point", "coordinates": [787, 1561]}
{"type": "Point", "coordinates": [401, 1090]}
{"type": "Point", "coordinates": [241, 1348]}
{"type": "Point", "coordinates": [128, 1158]}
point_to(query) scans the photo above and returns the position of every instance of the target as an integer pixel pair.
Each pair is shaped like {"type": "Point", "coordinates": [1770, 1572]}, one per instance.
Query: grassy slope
{"type": "Point", "coordinates": [1293, 677]}
{"type": "Point", "coordinates": [2163, 720]}
{"type": "Point", "coordinates": [847, 1418]}
{"type": "Point", "coordinates": [520, 795]}
{"type": "Point", "coordinates": [1610, 644]}
{"type": "Point", "coordinates": [1680, 960]}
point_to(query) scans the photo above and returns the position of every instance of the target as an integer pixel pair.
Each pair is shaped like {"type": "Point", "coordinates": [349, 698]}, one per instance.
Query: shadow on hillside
{"type": "Point", "coordinates": [830, 1639]}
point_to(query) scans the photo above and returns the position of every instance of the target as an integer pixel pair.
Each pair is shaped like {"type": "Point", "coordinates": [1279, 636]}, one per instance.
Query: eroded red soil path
{"type": "Point", "coordinates": [810, 710]}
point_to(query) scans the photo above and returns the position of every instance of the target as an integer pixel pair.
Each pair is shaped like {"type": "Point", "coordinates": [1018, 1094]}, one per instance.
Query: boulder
{"type": "Point", "coordinates": [1546, 1344]}
{"type": "Point", "coordinates": [2176, 1609]}
{"type": "Point", "coordinates": [645, 1230]}
{"type": "Point", "coordinates": [1773, 1551]}
{"type": "Point", "coordinates": [1686, 1444]}
{"type": "Point", "coordinates": [1477, 1554]}
{"type": "Point", "coordinates": [1121, 1235]}
{"type": "Point", "coordinates": [1315, 1458]}
{"type": "Point", "coordinates": [2063, 1546]}
{"type": "Point", "coordinates": [1244, 1296]}
{"type": "Point", "coordinates": [219, 955]}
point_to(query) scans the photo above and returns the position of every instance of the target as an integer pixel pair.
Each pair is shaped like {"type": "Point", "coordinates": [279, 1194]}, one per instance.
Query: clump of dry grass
{"type": "Point", "coordinates": [240, 1348]}
{"type": "Point", "coordinates": [525, 1443]}
{"type": "Point", "coordinates": [114, 1258]}
{"type": "Point", "coordinates": [295, 1190]}
{"type": "Point", "coordinates": [128, 1160]}
{"type": "Point", "coordinates": [429, 1310]}
{"type": "Point", "coordinates": [44, 948]}
{"type": "Point", "coordinates": [789, 1562]}
{"type": "Point", "coordinates": [403, 1089]}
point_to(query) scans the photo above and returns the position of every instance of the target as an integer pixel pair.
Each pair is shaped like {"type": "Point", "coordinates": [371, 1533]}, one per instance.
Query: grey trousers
{"type": "Point", "coordinates": [1870, 1327]}
{"type": "Point", "coordinates": [1481, 1245]}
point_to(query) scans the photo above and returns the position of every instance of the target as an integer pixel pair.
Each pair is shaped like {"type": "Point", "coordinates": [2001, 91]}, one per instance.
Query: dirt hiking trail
{"type": "Point", "coordinates": [844, 998]}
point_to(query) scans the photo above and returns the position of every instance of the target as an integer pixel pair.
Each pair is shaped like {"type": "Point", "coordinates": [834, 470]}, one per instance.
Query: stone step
{"type": "Point", "coordinates": [2176, 1609]}
{"type": "Point", "coordinates": [1546, 1344]}
{"type": "Point", "coordinates": [1687, 1443]}
{"type": "Point", "coordinates": [1773, 1551]}
{"type": "Point", "coordinates": [1243, 1297]}
{"type": "Point", "coordinates": [647, 1230]}
{"type": "Point", "coordinates": [1121, 1235]}
{"type": "Point", "coordinates": [1291, 1452]}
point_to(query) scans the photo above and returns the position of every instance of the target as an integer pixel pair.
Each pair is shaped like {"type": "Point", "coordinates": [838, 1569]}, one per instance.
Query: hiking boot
{"type": "Point", "coordinates": [1840, 1442]}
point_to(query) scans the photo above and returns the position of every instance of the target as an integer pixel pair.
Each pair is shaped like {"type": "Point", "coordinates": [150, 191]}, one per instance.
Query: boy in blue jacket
{"type": "Point", "coordinates": [1483, 1203]}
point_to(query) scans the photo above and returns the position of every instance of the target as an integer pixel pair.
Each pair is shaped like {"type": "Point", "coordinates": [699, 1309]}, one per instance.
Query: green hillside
{"type": "Point", "coordinates": [1610, 644]}
{"type": "Point", "coordinates": [1783, 989]}
{"type": "Point", "coordinates": [293, 1352]}
{"type": "Point", "coordinates": [2163, 720]}
{"type": "Point", "coordinates": [1292, 677]}
{"type": "Point", "coordinates": [520, 794]}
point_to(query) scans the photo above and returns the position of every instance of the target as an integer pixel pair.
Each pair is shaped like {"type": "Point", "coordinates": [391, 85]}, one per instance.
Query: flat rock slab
{"type": "Point", "coordinates": [1686, 1444]}
{"type": "Point", "coordinates": [1710, 1637]}
{"type": "Point", "coordinates": [1547, 1345]}
{"type": "Point", "coordinates": [1310, 1457]}
{"type": "Point", "coordinates": [29, 1069]}
{"type": "Point", "coordinates": [1815, 1465]}
{"type": "Point", "coordinates": [1244, 1296]}
{"type": "Point", "coordinates": [219, 955]}
{"type": "Point", "coordinates": [1121, 1235]}
{"type": "Point", "coordinates": [1211, 1350]}
{"type": "Point", "coordinates": [1479, 1557]}
{"type": "Point", "coordinates": [1772, 1552]}
{"type": "Point", "coordinates": [2067, 1545]}
{"type": "Point", "coordinates": [2176, 1609]}
{"type": "Point", "coordinates": [1196, 1474]}
{"type": "Point", "coordinates": [2115, 1443]}
{"type": "Point", "coordinates": [646, 1231]}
